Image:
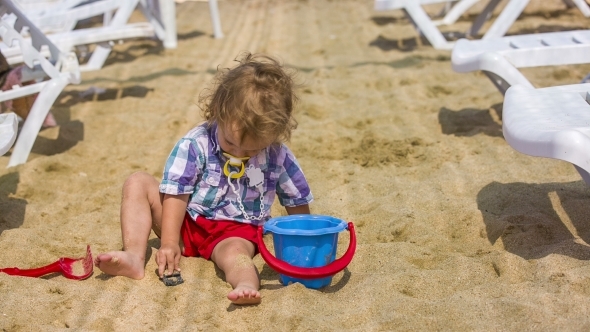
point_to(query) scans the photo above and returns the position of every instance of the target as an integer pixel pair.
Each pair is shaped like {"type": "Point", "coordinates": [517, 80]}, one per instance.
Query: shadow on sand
{"type": "Point", "coordinates": [12, 210]}
{"type": "Point", "coordinates": [536, 220]}
{"type": "Point", "coordinates": [470, 122]}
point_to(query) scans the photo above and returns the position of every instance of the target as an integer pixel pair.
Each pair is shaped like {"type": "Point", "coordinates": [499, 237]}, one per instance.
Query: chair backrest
{"type": "Point", "coordinates": [12, 29]}
{"type": "Point", "coordinates": [41, 59]}
{"type": "Point", "coordinates": [64, 15]}
{"type": "Point", "coordinates": [38, 53]}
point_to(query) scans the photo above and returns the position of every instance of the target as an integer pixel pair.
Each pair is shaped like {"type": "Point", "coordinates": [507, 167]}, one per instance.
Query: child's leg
{"type": "Point", "coordinates": [234, 256]}
{"type": "Point", "coordinates": [141, 210]}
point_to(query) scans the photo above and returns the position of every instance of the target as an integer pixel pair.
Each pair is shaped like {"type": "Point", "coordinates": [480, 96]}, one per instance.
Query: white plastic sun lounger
{"type": "Point", "coordinates": [59, 68]}
{"type": "Point", "coordinates": [8, 131]}
{"type": "Point", "coordinates": [63, 15]}
{"type": "Point", "coordinates": [550, 122]}
{"type": "Point", "coordinates": [55, 16]}
{"type": "Point", "coordinates": [428, 27]}
{"type": "Point", "coordinates": [500, 58]}
{"type": "Point", "coordinates": [117, 28]}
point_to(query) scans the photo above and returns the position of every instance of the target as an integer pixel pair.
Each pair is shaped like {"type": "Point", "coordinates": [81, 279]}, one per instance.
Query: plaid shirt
{"type": "Point", "coordinates": [195, 167]}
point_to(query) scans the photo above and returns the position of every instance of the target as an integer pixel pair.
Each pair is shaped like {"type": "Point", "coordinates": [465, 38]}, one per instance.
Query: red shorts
{"type": "Point", "coordinates": [201, 236]}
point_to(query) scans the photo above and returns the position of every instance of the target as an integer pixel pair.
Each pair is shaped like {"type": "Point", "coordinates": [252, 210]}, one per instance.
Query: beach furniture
{"type": "Point", "coordinates": [500, 58]}
{"type": "Point", "coordinates": [56, 15]}
{"type": "Point", "coordinates": [160, 16]}
{"type": "Point", "coordinates": [8, 131]}
{"type": "Point", "coordinates": [551, 122]}
{"type": "Point", "coordinates": [49, 74]}
{"type": "Point", "coordinates": [63, 15]}
{"type": "Point", "coordinates": [429, 28]}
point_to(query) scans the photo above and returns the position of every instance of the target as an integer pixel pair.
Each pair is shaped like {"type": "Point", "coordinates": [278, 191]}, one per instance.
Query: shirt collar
{"type": "Point", "coordinates": [214, 139]}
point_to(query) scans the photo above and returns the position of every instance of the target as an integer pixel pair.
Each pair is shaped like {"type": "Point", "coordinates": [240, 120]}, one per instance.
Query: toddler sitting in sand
{"type": "Point", "coordinates": [219, 182]}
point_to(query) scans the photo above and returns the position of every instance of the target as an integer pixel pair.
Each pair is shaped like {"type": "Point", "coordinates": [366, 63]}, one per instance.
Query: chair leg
{"type": "Point", "coordinates": [214, 11]}
{"type": "Point", "coordinates": [506, 18]}
{"type": "Point", "coordinates": [483, 17]}
{"type": "Point", "coordinates": [456, 11]}
{"type": "Point", "coordinates": [583, 7]}
{"type": "Point", "coordinates": [168, 14]}
{"type": "Point", "coordinates": [498, 82]}
{"type": "Point", "coordinates": [34, 121]}
{"type": "Point", "coordinates": [583, 173]}
{"type": "Point", "coordinates": [501, 72]}
{"type": "Point", "coordinates": [426, 27]}
{"type": "Point", "coordinates": [581, 4]}
{"type": "Point", "coordinates": [97, 58]}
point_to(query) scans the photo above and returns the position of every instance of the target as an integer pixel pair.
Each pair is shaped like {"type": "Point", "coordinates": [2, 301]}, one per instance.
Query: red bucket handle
{"type": "Point", "coordinates": [308, 272]}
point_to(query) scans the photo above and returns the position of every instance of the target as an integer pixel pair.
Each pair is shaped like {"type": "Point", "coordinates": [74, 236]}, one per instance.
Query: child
{"type": "Point", "coordinates": [219, 182]}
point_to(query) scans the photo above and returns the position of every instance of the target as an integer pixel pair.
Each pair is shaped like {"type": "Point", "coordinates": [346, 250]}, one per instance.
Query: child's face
{"type": "Point", "coordinates": [231, 142]}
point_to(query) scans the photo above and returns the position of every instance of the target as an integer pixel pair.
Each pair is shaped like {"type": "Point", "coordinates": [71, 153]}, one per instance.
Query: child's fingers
{"type": "Point", "coordinates": [170, 264]}
{"type": "Point", "coordinates": [168, 261]}
{"type": "Point", "coordinates": [161, 265]}
{"type": "Point", "coordinates": [164, 263]}
{"type": "Point", "coordinates": [177, 263]}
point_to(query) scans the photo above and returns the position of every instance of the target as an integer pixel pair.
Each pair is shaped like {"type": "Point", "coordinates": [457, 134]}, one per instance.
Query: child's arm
{"type": "Point", "coordinates": [173, 211]}
{"type": "Point", "coordinates": [301, 209]}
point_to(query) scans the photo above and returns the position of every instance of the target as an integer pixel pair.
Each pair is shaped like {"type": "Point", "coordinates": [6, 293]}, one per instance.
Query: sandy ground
{"type": "Point", "coordinates": [456, 230]}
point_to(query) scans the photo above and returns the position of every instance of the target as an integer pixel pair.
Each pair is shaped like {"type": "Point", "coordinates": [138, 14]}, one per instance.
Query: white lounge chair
{"type": "Point", "coordinates": [61, 17]}
{"type": "Point", "coordinates": [161, 23]}
{"type": "Point", "coordinates": [59, 68]}
{"type": "Point", "coordinates": [428, 27]}
{"type": "Point", "coordinates": [54, 16]}
{"type": "Point", "coordinates": [500, 58]}
{"type": "Point", "coordinates": [8, 131]}
{"type": "Point", "coordinates": [550, 122]}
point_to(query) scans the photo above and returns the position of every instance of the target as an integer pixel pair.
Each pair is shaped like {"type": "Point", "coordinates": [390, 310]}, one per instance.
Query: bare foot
{"type": "Point", "coordinates": [244, 295]}
{"type": "Point", "coordinates": [120, 263]}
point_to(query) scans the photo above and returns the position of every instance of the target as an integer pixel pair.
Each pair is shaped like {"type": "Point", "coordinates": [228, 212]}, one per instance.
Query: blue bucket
{"type": "Point", "coordinates": [305, 246]}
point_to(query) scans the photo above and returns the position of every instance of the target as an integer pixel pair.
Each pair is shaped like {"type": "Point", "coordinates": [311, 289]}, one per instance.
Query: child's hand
{"type": "Point", "coordinates": [168, 259]}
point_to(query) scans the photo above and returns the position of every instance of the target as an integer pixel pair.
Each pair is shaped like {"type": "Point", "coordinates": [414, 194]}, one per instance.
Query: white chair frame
{"type": "Point", "coordinates": [58, 67]}
{"type": "Point", "coordinates": [500, 58]}
{"type": "Point", "coordinates": [429, 27]}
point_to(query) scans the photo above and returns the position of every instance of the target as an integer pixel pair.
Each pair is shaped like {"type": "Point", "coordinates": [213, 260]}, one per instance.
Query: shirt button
{"type": "Point", "coordinates": [210, 181]}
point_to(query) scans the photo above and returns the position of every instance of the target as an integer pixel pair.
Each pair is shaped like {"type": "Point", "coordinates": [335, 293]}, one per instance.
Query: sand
{"type": "Point", "coordinates": [456, 230]}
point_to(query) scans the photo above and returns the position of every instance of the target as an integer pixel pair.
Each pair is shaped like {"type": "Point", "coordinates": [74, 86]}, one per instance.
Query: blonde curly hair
{"type": "Point", "coordinates": [256, 98]}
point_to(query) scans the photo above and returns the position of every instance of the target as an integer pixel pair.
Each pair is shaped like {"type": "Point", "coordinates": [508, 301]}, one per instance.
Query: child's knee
{"type": "Point", "coordinates": [234, 246]}
{"type": "Point", "coordinates": [139, 181]}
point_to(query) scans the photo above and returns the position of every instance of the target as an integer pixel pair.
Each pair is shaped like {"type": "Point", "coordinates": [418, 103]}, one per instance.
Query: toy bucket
{"type": "Point", "coordinates": [305, 248]}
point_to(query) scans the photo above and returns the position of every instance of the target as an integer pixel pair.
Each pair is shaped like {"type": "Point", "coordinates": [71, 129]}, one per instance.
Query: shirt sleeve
{"type": "Point", "coordinates": [292, 186]}
{"type": "Point", "coordinates": [182, 169]}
